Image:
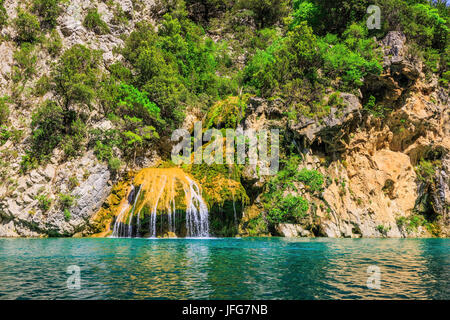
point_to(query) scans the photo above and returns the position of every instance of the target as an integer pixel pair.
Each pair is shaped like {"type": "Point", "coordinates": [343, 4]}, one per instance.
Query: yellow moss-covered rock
{"type": "Point", "coordinates": [102, 220]}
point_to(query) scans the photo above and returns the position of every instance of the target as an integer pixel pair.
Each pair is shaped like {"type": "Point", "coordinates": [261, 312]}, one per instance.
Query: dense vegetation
{"type": "Point", "coordinates": [210, 56]}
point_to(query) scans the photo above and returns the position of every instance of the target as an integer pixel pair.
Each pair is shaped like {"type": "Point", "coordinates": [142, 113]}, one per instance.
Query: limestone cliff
{"type": "Point", "coordinates": [387, 174]}
{"type": "Point", "coordinates": [370, 163]}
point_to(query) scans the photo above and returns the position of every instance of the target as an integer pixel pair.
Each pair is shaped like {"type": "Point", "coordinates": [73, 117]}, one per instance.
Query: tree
{"type": "Point", "coordinates": [330, 16]}
{"type": "Point", "coordinates": [27, 26]}
{"type": "Point", "coordinates": [48, 124]}
{"type": "Point", "coordinates": [137, 136]}
{"type": "Point", "coordinates": [204, 10]}
{"type": "Point", "coordinates": [48, 9]}
{"type": "Point", "coordinates": [266, 12]}
{"type": "Point", "coordinates": [76, 75]}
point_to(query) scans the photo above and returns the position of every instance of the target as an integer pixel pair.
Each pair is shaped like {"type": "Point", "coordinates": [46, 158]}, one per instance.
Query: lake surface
{"type": "Point", "coordinates": [250, 268]}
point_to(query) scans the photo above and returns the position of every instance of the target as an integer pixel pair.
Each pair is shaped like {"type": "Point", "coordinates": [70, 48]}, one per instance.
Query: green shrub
{"type": "Point", "coordinates": [445, 80]}
{"type": "Point", "coordinates": [3, 14]}
{"type": "Point", "coordinates": [73, 183]}
{"type": "Point", "coordinates": [103, 143]}
{"type": "Point", "coordinates": [29, 161]}
{"type": "Point", "coordinates": [135, 103]}
{"type": "Point", "coordinates": [66, 201]}
{"type": "Point", "coordinates": [73, 140]}
{"type": "Point", "coordinates": [27, 26]}
{"type": "Point", "coordinates": [67, 214]}
{"type": "Point", "coordinates": [226, 113]}
{"type": "Point", "coordinates": [176, 66]}
{"type": "Point", "coordinates": [304, 11]}
{"type": "Point", "coordinates": [288, 209]}
{"type": "Point", "coordinates": [43, 85]}
{"type": "Point", "coordinates": [5, 134]}
{"type": "Point", "coordinates": [4, 110]}
{"type": "Point", "coordinates": [294, 56]}
{"type": "Point", "coordinates": [383, 229]}
{"type": "Point", "coordinates": [259, 71]}
{"type": "Point", "coordinates": [114, 164]}
{"type": "Point", "coordinates": [54, 43]}
{"type": "Point", "coordinates": [48, 125]}
{"type": "Point", "coordinates": [375, 109]}
{"type": "Point", "coordinates": [9, 132]}
{"type": "Point", "coordinates": [329, 16]}
{"type": "Point", "coordinates": [48, 10]}
{"type": "Point", "coordinates": [26, 62]}
{"type": "Point", "coordinates": [76, 75]}
{"type": "Point", "coordinates": [256, 226]}
{"type": "Point", "coordinates": [119, 16]}
{"type": "Point", "coordinates": [102, 151]}
{"type": "Point", "coordinates": [94, 22]}
{"type": "Point", "coordinates": [265, 12]}
{"type": "Point", "coordinates": [413, 222]}
{"type": "Point", "coordinates": [351, 59]}
{"type": "Point", "coordinates": [312, 179]}
{"type": "Point", "coordinates": [426, 170]}
{"type": "Point", "coordinates": [44, 202]}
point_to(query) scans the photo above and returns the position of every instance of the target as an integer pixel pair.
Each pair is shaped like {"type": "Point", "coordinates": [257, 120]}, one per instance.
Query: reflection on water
{"type": "Point", "coordinates": [254, 268]}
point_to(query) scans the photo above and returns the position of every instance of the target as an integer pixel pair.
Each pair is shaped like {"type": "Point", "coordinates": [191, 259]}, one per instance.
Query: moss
{"type": "Point", "coordinates": [100, 223]}
{"type": "Point", "coordinates": [220, 183]}
{"type": "Point", "coordinates": [227, 113]}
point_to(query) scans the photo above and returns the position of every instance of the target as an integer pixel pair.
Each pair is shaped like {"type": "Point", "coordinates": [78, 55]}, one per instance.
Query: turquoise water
{"type": "Point", "coordinates": [254, 268]}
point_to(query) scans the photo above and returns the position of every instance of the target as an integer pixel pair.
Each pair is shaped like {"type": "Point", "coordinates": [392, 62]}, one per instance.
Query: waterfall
{"type": "Point", "coordinates": [130, 219]}
{"type": "Point", "coordinates": [197, 224]}
{"type": "Point", "coordinates": [155, 197]}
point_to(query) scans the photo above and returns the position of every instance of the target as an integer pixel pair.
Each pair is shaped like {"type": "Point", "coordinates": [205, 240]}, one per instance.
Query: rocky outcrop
{"type": "Point", "coordinates": [370, 161]}
{"type": "Point", "coordinates": [289, 230]}
{"type": "Point", "coordinates": [22, 212]}
{"type": "Point", "coordinates": [30, 204]}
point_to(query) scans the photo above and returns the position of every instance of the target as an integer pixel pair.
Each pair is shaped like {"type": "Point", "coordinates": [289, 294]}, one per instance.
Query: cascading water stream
{"type": "Point", "coordinates": [197, 223]}
{"type": "Point", "coordinates": [118, 225]}
{"type": "Point", "coordinates": [161, 195]}
{"type": "Point", "coordinates": [130, 219]}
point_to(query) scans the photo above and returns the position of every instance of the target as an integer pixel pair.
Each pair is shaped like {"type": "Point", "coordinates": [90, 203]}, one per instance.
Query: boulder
{"type": "Point", "coordinates": [290, 230]}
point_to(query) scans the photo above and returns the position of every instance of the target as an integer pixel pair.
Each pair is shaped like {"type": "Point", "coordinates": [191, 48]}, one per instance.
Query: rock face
{"type": "Point", "coordinates": [292, 230]}
{"type": "Point", "coordinates": [370, 162]}
{"type": "Point", "coordinates": [31, 203]}
{"type": "Point", "coordinates": [372, 185]}
{"type": "Point", "coordinates": [22, 215]}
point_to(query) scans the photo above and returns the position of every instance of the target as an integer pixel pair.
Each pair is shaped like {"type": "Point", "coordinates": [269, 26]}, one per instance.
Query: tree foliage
{"type": "Point", "coordinates": [48, 10]}
{"type": "Point", "coordinates": [27, 26]}
{"type": "Point", "coordinates": [76, 75]}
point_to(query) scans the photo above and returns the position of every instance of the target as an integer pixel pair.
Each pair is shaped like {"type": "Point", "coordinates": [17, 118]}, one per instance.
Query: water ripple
{"type": "Point", "coordinates": [253, 268]}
